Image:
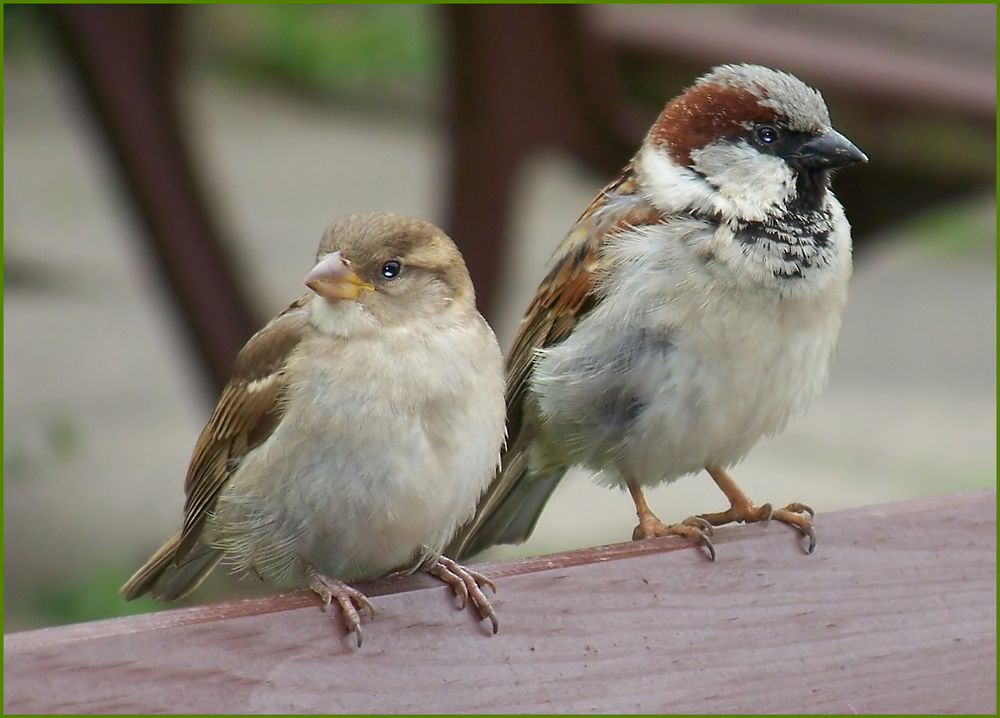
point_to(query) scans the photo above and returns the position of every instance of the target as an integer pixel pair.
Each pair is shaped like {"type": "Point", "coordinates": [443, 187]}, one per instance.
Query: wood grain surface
{"type": "Point", "coordinates": [895, 612]}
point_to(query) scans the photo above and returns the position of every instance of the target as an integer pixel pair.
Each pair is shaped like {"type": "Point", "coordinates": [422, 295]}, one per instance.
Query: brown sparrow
{"type": "Point", "coordinates": [690, 311]}
{"type": "Point", "coordinates": [359, 428]}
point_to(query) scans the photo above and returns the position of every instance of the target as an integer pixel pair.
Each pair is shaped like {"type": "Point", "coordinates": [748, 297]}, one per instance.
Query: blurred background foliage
{"type": "Point", "coordinates": [376, 56]}
{"type": "Point", "coordinates": [386, 57]}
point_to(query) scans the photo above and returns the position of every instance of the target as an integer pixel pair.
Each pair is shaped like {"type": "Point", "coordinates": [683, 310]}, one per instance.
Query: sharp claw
{"type": "Point", "coordinates": [707, 543]}
{"type": "Point", "coordinates": [811, 534]}
{"type": "Point", "coordinates": [366, 605]}
{"type": "Point", "coordinates": [707, 531]}
{"type": "Point", "coordinates": [494, 620]}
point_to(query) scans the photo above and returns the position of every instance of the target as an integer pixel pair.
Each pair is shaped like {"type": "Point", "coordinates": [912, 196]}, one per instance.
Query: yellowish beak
{"type": "Point", "coordinates": [333, 278]}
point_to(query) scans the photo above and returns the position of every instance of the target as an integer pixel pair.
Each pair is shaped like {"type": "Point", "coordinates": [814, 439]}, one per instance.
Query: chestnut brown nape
{"type": "Point", "coordinates": [705, 113]}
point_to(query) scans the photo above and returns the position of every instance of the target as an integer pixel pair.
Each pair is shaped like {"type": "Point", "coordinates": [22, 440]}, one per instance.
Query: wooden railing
{"type": "Point", "coordinates": [895, 612]}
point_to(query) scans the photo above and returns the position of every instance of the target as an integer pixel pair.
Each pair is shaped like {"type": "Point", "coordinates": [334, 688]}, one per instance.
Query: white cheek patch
{"type": "Point", "coordinates": [672, 188]}
{"type": "Point", "coordinates": [752, 183]}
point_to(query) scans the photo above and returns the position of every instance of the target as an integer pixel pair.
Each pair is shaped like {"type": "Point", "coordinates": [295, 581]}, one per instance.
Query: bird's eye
{"type": "Point", "coordinates": [767, 135]}
{"type": "Point", "coordinates": [391, 269]}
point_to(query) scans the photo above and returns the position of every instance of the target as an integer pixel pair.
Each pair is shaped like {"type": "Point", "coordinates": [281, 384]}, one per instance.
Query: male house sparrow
{"type": "Point", "coordinates": [691, 310]}
{"type": "Point", "coordinates": [359, 428]}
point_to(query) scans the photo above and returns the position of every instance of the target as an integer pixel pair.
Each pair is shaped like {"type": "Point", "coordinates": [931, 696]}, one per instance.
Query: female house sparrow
{"type": "Point", "coordinates": [691, 310]}
{"type": "Point", "coordinates": [359, 428]}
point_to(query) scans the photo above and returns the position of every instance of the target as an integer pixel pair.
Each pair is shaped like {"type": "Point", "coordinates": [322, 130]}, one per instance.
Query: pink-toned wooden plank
{"type": "Point", "coordinates": [895, 612]}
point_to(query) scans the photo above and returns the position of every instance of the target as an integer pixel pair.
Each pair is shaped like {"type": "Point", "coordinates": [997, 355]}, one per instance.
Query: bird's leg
{"type": "Point", "coordinates": [694, 528]}
{"type": "Point", "coordinates": [466, 584]}
{"type": "Point", "coordinates": [350, 600]}
{"type": "Point", "coordinates": [743, 510]}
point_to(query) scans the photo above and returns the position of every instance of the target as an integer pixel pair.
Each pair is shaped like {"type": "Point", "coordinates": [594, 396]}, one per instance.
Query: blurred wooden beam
{"type": "Point", "coordinates": [126, 60]}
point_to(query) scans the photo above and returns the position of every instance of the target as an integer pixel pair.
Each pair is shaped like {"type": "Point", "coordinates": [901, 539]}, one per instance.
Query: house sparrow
{"type": "Point", "coordinates": [359, 429]}
{"type": "Point", "coordinates": [691, 310]}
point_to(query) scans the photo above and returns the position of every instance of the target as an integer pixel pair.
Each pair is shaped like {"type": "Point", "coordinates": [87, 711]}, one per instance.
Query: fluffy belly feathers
{"type": "Point", "coordinates": [683, 392]}
{"type": "Point", "coordinates": [304, 502]}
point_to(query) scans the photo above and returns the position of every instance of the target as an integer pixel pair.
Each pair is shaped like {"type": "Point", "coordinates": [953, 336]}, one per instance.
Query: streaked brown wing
{"type": "Point", "coordinates": [565, 296]}
{"type": "Point", "coordinates": [246, 414]}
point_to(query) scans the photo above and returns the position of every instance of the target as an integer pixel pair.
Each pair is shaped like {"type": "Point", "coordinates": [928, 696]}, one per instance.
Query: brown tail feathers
{"type": "Point", "coordinates": [167, 578]}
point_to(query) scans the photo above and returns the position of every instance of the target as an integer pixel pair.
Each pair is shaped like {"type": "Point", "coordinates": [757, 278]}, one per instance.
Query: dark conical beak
{"type": "Point", "coordinates": [828, 151]}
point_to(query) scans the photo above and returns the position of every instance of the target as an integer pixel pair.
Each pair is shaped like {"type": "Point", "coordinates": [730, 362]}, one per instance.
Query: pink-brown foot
{"type": "Point", "coordinates": [350, 600]}
{"type": "Point", "coordinates": [467, 584]}
{"type": "Point", "coordinates": [743, 510]}
{"type": "Point", "coordinates": [694, 529]}
{"type": "Point", "coordinates": [800, 516]}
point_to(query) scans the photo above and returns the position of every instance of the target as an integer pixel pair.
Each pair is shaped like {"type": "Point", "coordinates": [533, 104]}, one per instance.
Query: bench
{"type": "Point", "coordinates": [895, 612]}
